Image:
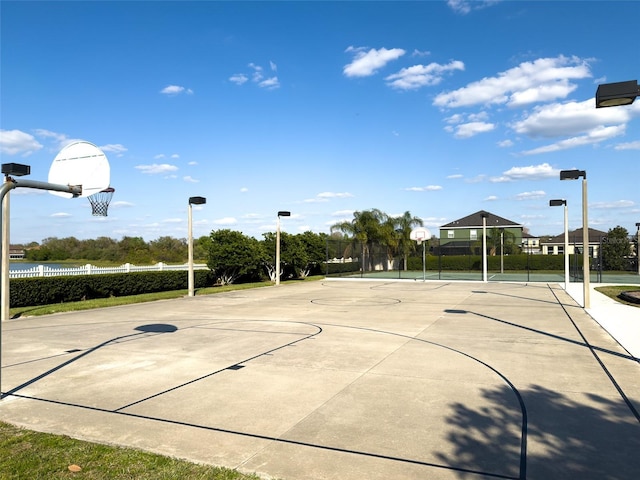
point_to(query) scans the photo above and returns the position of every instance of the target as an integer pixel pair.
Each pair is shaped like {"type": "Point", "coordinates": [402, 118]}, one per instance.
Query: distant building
{"type": "Point", "coordinates": [530, 244]}
{"type": "Point", "coordinates": [16, 253]}
{"type": "Point", "coordinates": [463, 236]}
{"type": "Point", "coordinates": [555, 245]}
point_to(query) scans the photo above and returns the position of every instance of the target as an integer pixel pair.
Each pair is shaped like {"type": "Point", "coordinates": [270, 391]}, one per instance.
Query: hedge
{"type": "Point", "coordinates": [25, 292]}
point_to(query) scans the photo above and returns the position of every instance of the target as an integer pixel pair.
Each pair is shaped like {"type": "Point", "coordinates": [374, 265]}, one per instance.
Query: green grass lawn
{"type": "Point", "coordinates": [29, 455]}
{"type": "Point", "coordinates": [613, 291]}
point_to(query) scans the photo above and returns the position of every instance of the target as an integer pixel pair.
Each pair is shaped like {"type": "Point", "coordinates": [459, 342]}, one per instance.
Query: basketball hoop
{"type": "Point", "coordinates": [100, 202]}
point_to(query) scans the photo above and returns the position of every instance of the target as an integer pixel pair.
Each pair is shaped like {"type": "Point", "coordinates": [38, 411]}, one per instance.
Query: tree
{"type": "Point", "coordinates": [169, 249]}
{"type": "Point", "coordinates": [616, 249]}
{"type": "Point", "coordinates": [403, 226]}
{"type": "Point", "coordinates": [365, 229]}
{"type": "Point", "coordinates": [497, 237]}
{"type": "Point", "coordinates": [232, 254]}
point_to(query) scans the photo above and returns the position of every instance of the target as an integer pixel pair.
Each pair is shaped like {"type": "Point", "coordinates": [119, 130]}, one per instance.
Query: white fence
{"type": "Point", "coordinates": [46, 271]}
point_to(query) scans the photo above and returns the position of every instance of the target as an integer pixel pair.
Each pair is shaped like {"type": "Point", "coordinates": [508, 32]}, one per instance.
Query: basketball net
{"type": "Point", "coordinates": [100, 202]}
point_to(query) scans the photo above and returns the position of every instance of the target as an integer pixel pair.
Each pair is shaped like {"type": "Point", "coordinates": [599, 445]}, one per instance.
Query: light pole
{"type": "Point", "coordinates": [558, 203]}
{"type": "Point", "coordinates": [192, 201]}
{"type": "Point", "coordinates": [281, 213]}
{"type": "Point", "coordinates": [638, 246]}
{"type": "Point", "coordinates": [484, 246]}
{"type": "Point", "coordinates": [616, 94]}
{"type": "Point", "coordinates": [574, 175]}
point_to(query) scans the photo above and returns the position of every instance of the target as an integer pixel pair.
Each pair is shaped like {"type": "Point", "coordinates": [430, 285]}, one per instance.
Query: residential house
{"type": "Point", "coordinates": [530, 244]}
{"type": "Point", "coordinates": [464, 236]}
{"type": "Point", "coordinates": [555, 245]}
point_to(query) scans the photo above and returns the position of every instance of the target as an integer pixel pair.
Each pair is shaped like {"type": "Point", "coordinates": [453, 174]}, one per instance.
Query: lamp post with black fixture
{"type": "Point", "coordinates": [192, 201]}
{"type": "Point", "coordinates": [281, 213]}
{"type": "Point", "coordinates": [484, 246]}
{"type": "Point", "coordinates": [558, 203]}
{"type": "Point", "coordinates": [575, 175]}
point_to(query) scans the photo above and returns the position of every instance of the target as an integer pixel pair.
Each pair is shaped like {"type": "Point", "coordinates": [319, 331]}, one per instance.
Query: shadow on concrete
{"type": "Point", "coordinates": [591, 438]}
{"type": "Point", "coordinates": [141, 331]}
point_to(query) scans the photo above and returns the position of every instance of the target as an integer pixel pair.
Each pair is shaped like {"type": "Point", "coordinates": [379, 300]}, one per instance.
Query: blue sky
{"type": "Point", "coordinates": [320, 108]}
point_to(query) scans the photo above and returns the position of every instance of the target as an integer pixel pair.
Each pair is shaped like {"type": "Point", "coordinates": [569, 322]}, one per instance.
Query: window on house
{"type": "Point", "coordinates": [473, 234]}
{"type": "Point", "coordinates": [450, 234]}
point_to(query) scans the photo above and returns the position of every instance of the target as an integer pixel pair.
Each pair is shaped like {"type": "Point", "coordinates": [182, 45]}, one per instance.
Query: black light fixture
{"type": "Point", "coordinates": [284, 213]}
{"type": "Point", "coordinates": [197, 200]}
{"type": "Point", "coordinates": [16, 169]}
{"type": "Point", "coordinates": [572, 174]}
{"type": "Point", "coordinates": [616, 94]}
{"type": "Point", "coordinates": [557, 203]}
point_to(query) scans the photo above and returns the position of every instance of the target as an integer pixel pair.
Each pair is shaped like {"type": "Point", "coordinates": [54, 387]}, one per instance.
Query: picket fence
{"type": "Point", "coordinates": [46, 271]}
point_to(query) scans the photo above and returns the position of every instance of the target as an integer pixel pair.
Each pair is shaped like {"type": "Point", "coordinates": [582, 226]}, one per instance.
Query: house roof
{"type": "Point", "coordinates": [575, 236]}
{"type": "Point", "coordinates": [475, 220]}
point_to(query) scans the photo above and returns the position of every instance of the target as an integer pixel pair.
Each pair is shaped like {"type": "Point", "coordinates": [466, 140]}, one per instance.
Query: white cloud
{"type": "Point", "coordinates": [190, 179]}
{"type": "Point", "coordinates": [597, 135]}
{"type": "Point", "coordinates": [610, 205]}
{"type": "Point", "coordinates": [239, 78]}
{"type": "Point", "coordinates": [569, 118]}
{"type": "Point", "coordinates": [156, 168]}
{"type": "Point", "coordinates": [491, 198]}
{"type": "Point", "coordinates": [172, 220]}
{"type": "Point", "coordinates": [543, 79]}
{"type": "Point", "coordinates": [159, 156]}
{"type": "Point", "coordinates": [192, 163]}
{"type": "Point", "coordinates": [13, 142]}
{"type": "Point", "coordinates": [367, 63]}
{"type": "Point", "coordinates": [61, 215]}
{"type": "Point", "coordinates": [464, 7]}
{"type": "Point", "coordinates": [342, 213]}
{"type": "Point", "coordinates": [428, 188]}
{"type": "Point", "coordinates": [334, 195]}
{"type": "Point", "coordinates": [455, 175]}
{"type": "Point", "coordinates": [176, 90]}
{"type": "Point", "coordinates": [274, 67]}
{"type": "Point", "coordinates": [244, 190]}
{"type": "Point", "coordinates": [628, 146]}
{"type": "Point", "coordinates": [270, 83]}
{"type": "Point", "coordinates": [418, 76]}
{"type": "Point", "coordinates": [467, 130]}
{"type": "Point", "coordinates": [225, 221]}
{"type": "Point", "coordinates": [535, 195]}
{"type": "Point", "coordinates": [114, 148]}
{"type": "Point", "coordinates": [505, 143]}
{"type": "Point", "coordinates": [531, 172]}
{"type": "Point", "coordinates": [121, 204]}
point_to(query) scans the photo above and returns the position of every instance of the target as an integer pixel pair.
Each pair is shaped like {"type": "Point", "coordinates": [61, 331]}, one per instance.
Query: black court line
{"type": "Point", "coordinates": [208, 375]}
{"type": "Point", "coordinates": [592, 349]}
{"type": "Point", "coordinates": [276, 439]}
{"type": "Point", "coordinates": [523, 408]}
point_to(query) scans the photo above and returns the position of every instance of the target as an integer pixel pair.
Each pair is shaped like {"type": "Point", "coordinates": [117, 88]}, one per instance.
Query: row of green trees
{"type": "Point", "coordinates": [374, 227]}
{"type": "Point", "coordinates": [127, 250]}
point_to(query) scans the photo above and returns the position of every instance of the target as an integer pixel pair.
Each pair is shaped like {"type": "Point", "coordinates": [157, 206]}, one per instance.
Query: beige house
{"type": "Point", "coordinates": [555, 245]}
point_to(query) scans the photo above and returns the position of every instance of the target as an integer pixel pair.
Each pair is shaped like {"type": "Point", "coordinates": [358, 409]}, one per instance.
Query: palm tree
{"type": "Point", "coordinates": [403, 226]}
{"type": "Point", "coordinates": [366, 229]}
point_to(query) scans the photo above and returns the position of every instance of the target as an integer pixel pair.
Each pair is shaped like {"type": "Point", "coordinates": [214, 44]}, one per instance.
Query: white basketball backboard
{"type": "Point", "coordinates": [420, 234]}
{"type": "Point", "coordinates": [80, 163]}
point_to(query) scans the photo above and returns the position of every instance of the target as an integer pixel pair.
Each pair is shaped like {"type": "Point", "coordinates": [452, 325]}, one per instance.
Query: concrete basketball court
{"type": "Point", "coordinates": [340, 379]}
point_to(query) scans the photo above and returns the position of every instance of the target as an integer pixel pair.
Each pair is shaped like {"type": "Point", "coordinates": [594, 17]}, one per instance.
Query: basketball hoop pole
{"type": "Point", "coordinates": [8, 185]}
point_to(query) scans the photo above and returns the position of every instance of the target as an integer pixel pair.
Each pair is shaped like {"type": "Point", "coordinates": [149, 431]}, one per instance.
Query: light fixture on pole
{"type": "Point", "coordinates": [558, 203]}
{"type": "Point", "coordinates": [484, 246]}
{"type": "Point", "coordinates": [281, 213]}
{"type": "Point", "coordinates": [616, 94]}
{"type": "Point", "coordinates": [192, 201]}
{"type": "Point", "coordinates": [575, 175]}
